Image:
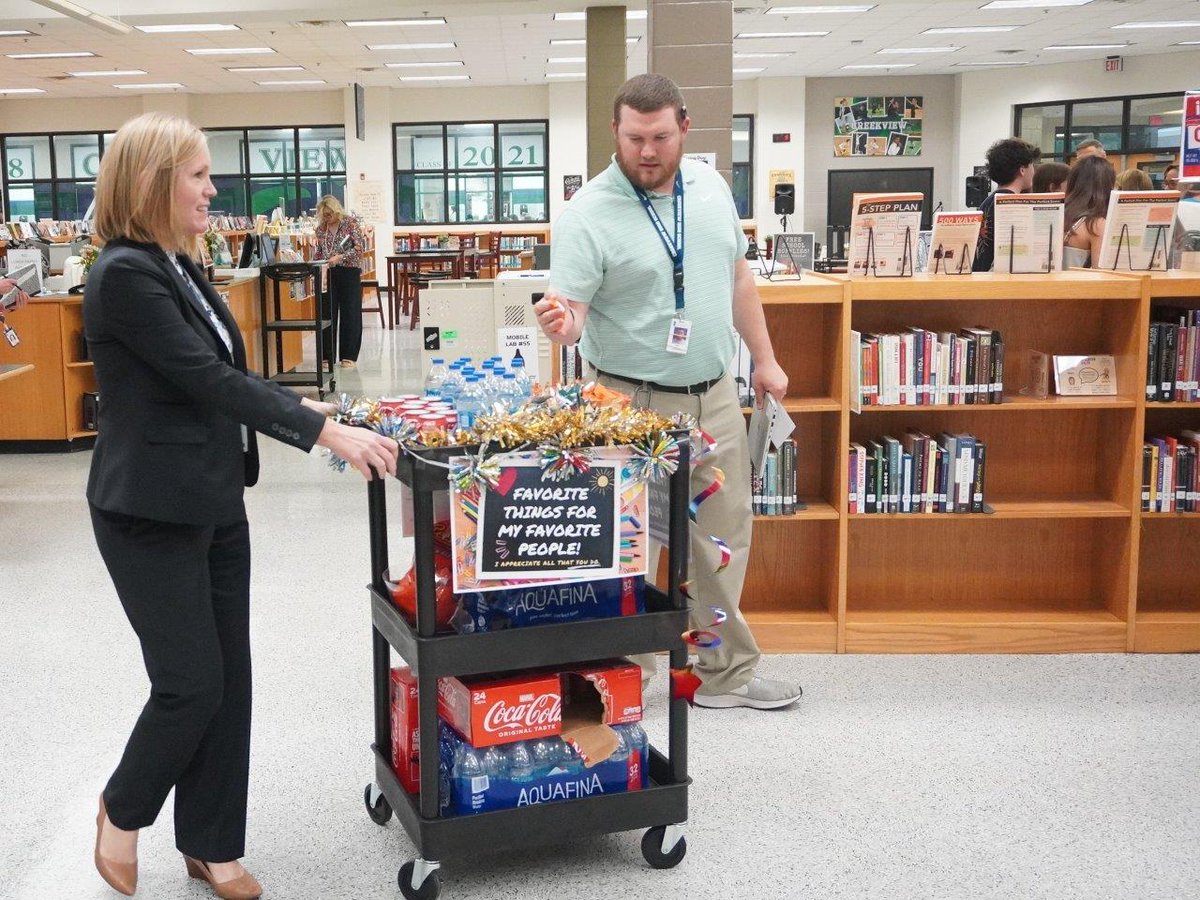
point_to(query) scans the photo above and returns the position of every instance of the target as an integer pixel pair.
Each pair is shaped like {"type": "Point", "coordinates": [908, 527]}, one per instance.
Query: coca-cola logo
{"type": "Point", "coordinates": [545, 709]}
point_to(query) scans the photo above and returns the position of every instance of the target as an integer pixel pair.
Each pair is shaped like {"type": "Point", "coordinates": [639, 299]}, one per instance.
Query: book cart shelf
{"type": "Point", "coordinates": [1066, 562]}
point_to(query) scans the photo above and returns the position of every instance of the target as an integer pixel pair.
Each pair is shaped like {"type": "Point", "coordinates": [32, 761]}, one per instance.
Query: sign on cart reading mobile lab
{"type": "Point", "coordinates": [1189, 154]}
{"type": "Point", "coordinates": [514, 342]}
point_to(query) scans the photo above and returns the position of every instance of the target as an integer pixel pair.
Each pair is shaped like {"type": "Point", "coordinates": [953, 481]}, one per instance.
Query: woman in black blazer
{"type": "Point", "coordinates": [175, 449]}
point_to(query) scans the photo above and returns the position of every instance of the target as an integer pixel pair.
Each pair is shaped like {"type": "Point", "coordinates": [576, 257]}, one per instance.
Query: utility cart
{"type": "Point", "coordinates": [660, 807]}
{"type": "Point", "coordinates": [278, 278]}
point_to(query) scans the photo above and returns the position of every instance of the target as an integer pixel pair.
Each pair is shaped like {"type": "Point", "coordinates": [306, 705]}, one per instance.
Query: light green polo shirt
{"type": "Point", "coordinates": [605, 251]}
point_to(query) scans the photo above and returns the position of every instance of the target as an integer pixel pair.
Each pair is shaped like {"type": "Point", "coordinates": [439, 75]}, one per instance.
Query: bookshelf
{"type": "Point", "coordinates": [513, 242]}
{"type": "Point", "coordinates": [1065, 562]}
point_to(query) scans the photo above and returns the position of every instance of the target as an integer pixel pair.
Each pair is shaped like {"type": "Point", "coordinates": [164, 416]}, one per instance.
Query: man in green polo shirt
{"type": "Point", "coordinates": [648, 274]}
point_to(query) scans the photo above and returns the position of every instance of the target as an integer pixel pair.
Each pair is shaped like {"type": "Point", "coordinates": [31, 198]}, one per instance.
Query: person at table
{"type": "Point", "coordinates": [177, 445]}
{"type": "Point", "coordinates": [340, 241]}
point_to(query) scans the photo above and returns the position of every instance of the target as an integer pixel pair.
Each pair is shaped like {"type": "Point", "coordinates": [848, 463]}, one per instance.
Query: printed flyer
{"type": "Point", "coordinates": [1137, 230]}
{"type": "Point", "coordinates": [1029, 233]}
{"type": "Point", "coordinates": [883, 233]}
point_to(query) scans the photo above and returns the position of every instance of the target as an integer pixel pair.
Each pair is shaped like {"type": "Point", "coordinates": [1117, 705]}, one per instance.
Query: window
{"type": "Point", "coordinates": [1122, 124]}
{"type": "Point", "coordinates": [459, 172]}
{"type": "Point", "coordinates": [743, 166]}
{"type": "Point", "coordinates": [257, 170]}
{"type": "Point", "coordinates": [50, 176]}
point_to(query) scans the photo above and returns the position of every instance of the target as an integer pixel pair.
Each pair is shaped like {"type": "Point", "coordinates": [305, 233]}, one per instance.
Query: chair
{"type": "Point", "coordinates": [491, 258]}
{"type": "Point", "coordinates": [373, 284]}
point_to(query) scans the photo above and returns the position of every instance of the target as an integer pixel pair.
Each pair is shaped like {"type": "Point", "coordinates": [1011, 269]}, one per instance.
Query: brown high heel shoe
{"type": "Point", "coordinates": [120, 876]}
{"type": "Point", "coordinates": [244, 887]}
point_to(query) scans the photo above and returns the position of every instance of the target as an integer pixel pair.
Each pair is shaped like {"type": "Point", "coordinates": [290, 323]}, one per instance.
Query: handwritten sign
{"type": "Point", "coordinates": [368, 200]}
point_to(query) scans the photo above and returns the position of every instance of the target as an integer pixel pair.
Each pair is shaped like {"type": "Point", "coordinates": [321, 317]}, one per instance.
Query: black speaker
{"type": "Point", "coordinates": [785, 199]}
{"type": "Point", "coordinates": [978, 188]}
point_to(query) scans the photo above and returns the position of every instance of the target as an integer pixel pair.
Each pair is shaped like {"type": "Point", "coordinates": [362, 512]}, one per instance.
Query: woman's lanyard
{"type": "Point", "coordinates": [681, 328]}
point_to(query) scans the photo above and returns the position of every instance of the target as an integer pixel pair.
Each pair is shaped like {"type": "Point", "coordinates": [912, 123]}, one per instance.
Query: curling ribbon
{"type": "Point", "coordinates": [705, 638]}
{"type": "Point", "coordinates": [718, 480]}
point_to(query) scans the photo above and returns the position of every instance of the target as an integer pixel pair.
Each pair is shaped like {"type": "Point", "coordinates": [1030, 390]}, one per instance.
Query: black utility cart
{"type": "Point", "coordinates": [661, 807]}
{"type": "Point", "coordinates": [278, 278]}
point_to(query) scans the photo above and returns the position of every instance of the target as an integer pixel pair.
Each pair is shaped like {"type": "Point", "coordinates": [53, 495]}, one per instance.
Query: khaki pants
{"type": "Point", "coordinates": [725, 514]}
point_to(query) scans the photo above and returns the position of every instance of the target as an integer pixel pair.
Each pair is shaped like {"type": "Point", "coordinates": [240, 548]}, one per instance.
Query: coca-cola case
{"type": "Point", "coordinates": [487, 710]}
{"type": "Point", "coordinates": [618, 682]}
{"type": "Point", "coordinates": [607, 598]}
{"type": "Point", "coordinates": [406, 735]}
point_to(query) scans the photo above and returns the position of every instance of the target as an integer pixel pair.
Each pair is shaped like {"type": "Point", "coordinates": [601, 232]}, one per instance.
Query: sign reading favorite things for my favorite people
{"type": "Point", "coordinates": [878, 126]}
{"type": "Point", "coordinates": [529, 528]}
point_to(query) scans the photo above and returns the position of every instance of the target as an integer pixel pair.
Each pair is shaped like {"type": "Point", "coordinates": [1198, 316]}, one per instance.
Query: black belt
{"type": "Point", "coordinates": [698, 388]}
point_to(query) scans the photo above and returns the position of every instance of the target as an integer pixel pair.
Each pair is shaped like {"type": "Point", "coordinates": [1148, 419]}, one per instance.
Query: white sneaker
{"type": "Point", "coordinates": [758, 693]}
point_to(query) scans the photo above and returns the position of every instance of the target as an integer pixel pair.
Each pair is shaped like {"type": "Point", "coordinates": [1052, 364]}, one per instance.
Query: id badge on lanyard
{"type": "Point", "coordinates": [681, 327]}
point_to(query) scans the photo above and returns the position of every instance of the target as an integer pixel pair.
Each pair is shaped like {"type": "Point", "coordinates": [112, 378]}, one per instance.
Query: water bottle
{"type": "Point", "coordinates": [520, 763]}
{"type": "Point", "coordinates": [495, 765]}
{"type": "Point", "coordinates": [524, 385]}
{"type": "Point", "coordinates": [621, 754]}
{"type": "Point", "coordinates": [469, 776]}
{"type": "Point", "coordinates": [469, 403]}
{"type": "Point", "coordinates": [452, 386]}
{"type": "Point", "coordinates": [511, 392]}
{"type": "Point", "coordinates": [640, 744]}
{"type": "Point", "coordinates": [545, 755]}
{"type": "Point", "coordinates": [435, 378]}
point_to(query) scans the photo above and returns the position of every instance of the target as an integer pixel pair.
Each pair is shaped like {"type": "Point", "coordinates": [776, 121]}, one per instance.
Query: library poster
{"type": "Point", "coordinates": [878, 126]}
{"type": "Point", "coordinates": [530, 529]}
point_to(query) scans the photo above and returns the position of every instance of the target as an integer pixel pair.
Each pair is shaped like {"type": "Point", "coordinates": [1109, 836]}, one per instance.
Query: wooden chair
{"type": "Point", "coordinates": [491, 259]}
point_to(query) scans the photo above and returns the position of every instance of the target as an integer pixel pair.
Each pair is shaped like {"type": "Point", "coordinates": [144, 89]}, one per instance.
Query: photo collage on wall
{"type": "Point", "coordinates": [878, 126]}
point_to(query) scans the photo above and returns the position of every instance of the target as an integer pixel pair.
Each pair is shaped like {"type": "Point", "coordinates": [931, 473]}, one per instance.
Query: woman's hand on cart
{"type": "Point", "coordinates": [369, 452]}
{"type": "Point", "coordinates": [324, 407]}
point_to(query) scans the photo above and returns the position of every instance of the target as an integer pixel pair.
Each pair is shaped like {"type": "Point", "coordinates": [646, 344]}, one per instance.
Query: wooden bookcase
{"type": "Point", "coordinates": [1065, 563]}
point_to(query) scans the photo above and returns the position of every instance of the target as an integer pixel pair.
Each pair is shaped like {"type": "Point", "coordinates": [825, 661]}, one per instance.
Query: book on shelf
{"type": "Point", "coordinates": [773, 486]}
{"type": "Point", "coordinates": [1173, 355]}
{"type": "Point", "coordinates": [922, 368]}
{"type": "Point", "coordinates": [918, 474]}
{"type": "Point", "coordinates": [1170, 470]}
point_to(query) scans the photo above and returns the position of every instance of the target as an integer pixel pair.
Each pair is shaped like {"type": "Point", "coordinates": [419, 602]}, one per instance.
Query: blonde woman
{"type": "Point", "coordinates": [1134, 180]}
{"type": "Point", "coordinates": [175, 449]}
{"type": "Point", "coordinates": [340, 241]}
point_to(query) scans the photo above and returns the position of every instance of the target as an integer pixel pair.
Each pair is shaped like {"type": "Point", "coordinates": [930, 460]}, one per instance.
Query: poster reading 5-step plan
{"type": "Point", "coordinates": [878, 126]}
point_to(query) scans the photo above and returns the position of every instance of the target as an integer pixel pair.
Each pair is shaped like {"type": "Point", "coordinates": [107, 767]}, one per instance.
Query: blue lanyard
{"type": "Point", "coordinates": [674, 247]}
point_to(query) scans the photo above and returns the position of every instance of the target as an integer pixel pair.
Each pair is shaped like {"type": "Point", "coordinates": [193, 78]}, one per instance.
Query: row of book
{"type": "Point", "coordinates": [920, 367]}
{"type": "Point", "coordinates": [773, 490]}
{"type": "Point", "coordinates": [1173, 360]}
{"type": "Point", "coordinates": [1171, 473]}
{"type": "Point", "coordinates": [918, 474]}
{"type": "Point", "coordinates": [46, 229]}
{"type": "Point", "coordinates": [230, 223]}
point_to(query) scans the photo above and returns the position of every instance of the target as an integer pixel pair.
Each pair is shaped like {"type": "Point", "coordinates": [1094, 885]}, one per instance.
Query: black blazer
{"type": "Point", "coordinates": [173, 398]}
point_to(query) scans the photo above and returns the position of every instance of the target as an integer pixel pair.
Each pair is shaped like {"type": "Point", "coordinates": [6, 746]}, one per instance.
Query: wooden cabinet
{"type": "Point", "coordinates": [1066, 562]}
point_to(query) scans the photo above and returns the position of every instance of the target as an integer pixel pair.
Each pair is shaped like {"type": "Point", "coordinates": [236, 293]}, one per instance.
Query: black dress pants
{"type": "Point", "coordinates": [186, 592]}
{"type": "Point", "coordinates": [345, 288]}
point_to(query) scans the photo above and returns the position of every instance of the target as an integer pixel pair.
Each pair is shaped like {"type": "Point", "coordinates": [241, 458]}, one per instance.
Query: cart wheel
{"type": "Point", "coordinates": [429, 889]}
{"type": "Point", "coordinates": [380, 810]}
{"type": "Point", "coordinates": [652, 842]}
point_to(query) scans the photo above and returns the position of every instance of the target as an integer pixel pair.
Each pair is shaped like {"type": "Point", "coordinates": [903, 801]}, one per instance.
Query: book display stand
{"type": "Point", "coordinates": [964, 264]}
{"type": "Point", "coordinates": [1012, 232]}
{"type": "Point", "coordinates": [906, 264]}
{"type": "Point", "coordinates": [1123, 240]}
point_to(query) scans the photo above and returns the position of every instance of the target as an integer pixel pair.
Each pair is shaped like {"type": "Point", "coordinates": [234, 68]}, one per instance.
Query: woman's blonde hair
{"type": "Point", "coordinates": [330, 204]}
{"type": "Point", "coordinates": [1134, 180]}
{"type": "Point", "coordinates": [135, 190]}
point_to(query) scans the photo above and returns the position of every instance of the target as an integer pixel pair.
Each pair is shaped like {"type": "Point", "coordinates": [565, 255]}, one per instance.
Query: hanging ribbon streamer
{"type": "Point", "coordinates": [717, 482]}
{"type": "Point", "coordinates": [706, 638]}
{"type": "Point", "coordinates": [655, 458]}
{"type": "Point", "coordinates": [477, 469]}
{"type": "Point", "coordinates": [560, 463]}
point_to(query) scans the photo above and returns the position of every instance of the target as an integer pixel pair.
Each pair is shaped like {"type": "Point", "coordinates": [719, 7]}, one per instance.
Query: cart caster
{"type": "Point", "coordinates": [419, 880]}
{"type": "Point", "coordinates": [378, 807]}
{"type": "Point", "coordinates": [664, 846]}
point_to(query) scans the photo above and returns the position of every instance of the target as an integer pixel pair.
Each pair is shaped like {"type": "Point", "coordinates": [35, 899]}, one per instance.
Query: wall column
{"type": "Point", "coordinates": [691, 42]}
{"type": "Point", "coordinates": [605, 75]}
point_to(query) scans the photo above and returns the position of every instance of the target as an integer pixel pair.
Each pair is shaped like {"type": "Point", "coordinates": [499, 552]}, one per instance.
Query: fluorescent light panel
{"type": "Point", "coordinates": [754, 35]}
{"type": "Point", "coordinates": [228, 51]}
{"type": "Point", "coordinates": [384, 23]}
{"type": "Point", "coordinates": [87, 16]}
{"type": "Point", "coordinates": [282, 83]}
{"type": "Point", "coordinates": [264, 68]}
{"type": "Point", "coordinates": [989, 65]}
{"type": "Point", "coordinates": [149, 86]}
{"type": "Point", "coordinates": [776, 54]}
{"type": "Point", "coordinates": [567, 59]}
{"type": "Point", "coordinates": [185, 29]}
{"type": "Point", "coordinates": [438, 45]}
{"type": "Point", "coordinates": [631, 14]}
{"type": "Point", "coordinates": [426, 65]}
{"type": "Point", "coordinates": [579, 42]}
{"type": "Point", "coordinates": [103, 73]}
{"type": "Point", "coordinates": [1192, 24]}
{"type": "Point", "coordinates": [881, 66]}
{"type": "Point", "coordinates": [971, 29]}
{"type": "Point", "coordinates": [748, 71]}
{"type": "Point", "coordinates": [1033, 4]}
{"type": "Point", "coordinates": [831, 9]}
{"type": "Point", "coordinates": [435, 77]}
{"type": "Point", "coordinates": [15, 32]}
{"type": "Point", "coordinates": [919, 49]}
{"type": "Point", "coordinates": [21, 91]}
{"type": "Point", "coordinates": [62, 55]}
{"type": "Point", "coordinates": [1086, 47]}
{"type": "Point", "coordinates": [565, 75]}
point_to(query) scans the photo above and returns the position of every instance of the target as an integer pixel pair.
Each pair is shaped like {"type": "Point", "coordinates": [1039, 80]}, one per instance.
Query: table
{"type": "Point", "coordinates": [402, 264]}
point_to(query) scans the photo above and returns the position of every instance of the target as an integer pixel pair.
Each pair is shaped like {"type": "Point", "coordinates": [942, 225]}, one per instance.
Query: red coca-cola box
{"type": "Point", "coordinates": [406, 735]}
{"type": "Point", "coordinates": [486, 710]}
{"type": "Point", "coordinates": [617, 681]}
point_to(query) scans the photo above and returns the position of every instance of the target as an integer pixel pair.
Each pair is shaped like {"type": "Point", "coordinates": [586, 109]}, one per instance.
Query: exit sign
{"type": "Point", "coordinates": [781, 137]}
{"type": "Point", "coordinates": [1113, 64]}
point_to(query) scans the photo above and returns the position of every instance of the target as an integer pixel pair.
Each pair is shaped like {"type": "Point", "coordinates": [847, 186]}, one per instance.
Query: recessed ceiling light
{"type": "Point", "coordinates": [1158, 25]}
{"type": "Point", "coordinates": [797, 10]}
{"type": "Point", "coordinates": [567, 59]}
{"type": "Point", "coordinates": [21, 91]}
{"type": "Point", "coordinates": [775, 54]}
{"type": "Point", "coordinates": [228, 51]}
{"type": "Point", "coordinates": [919, 49]}
{"type": "Point", "coordinates": [183, 29]}
{"type": "Point", "coordinates": [264, 68]}
{"type": "Point", "coordinates": [579, 42]}
{"type": "Point", "coordinates": [971, 29]}
{"type": "Point", "coordinates": [1187, 44]}
{"type": "Point", "coordinates": [881, 66]}
{"type": "Point", "coordinates": [435, 77]}
{"type": "Point", "coordinates": [751, 35]}
{"type": "Point", "coordinates": [581, 16]}
{"type": "Point", "coordinates": [440, 45]}
{"type": "Point", "coordinates": [383, 23]}
{"type": "Point", "coordinates": [748, 71]}
{"type": "Point", "coordinates": [104, 73]}
{"type": "Point", "coordinates": [1086, 47]}
{"type": "Point", "coordinates": [566, 75]}
{"type": "Point", "coordinates": [1032, 4]}
{"type": "Point", "coordinates": [62, 55]}
{"type": "Point", "coordinates": [426, 65]}
{"type": "Point", "coordinates": [999, 62]}
{"type": "Point", "coordinates": [282, 83]}
{"type": "Point", "coordinates": [15, 32]}
{"type": "Point", "coordinates": [149, 86]}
